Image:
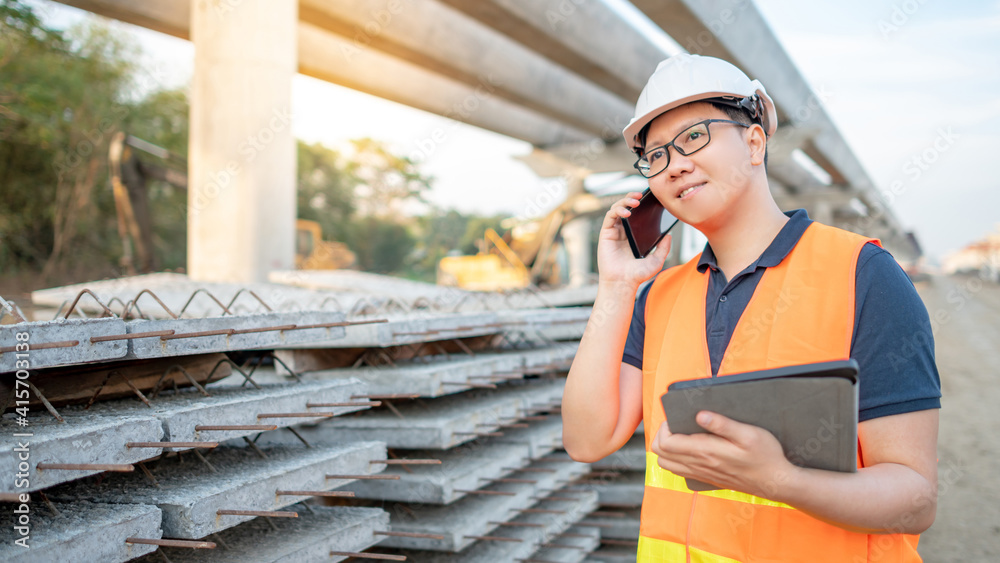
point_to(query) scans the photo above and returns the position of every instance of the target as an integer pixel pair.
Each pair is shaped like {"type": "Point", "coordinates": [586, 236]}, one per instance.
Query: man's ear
{"type": "Point", "coordinates": [757, 143]}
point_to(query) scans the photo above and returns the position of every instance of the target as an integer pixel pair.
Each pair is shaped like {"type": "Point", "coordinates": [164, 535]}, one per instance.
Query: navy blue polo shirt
{"type": "Point", "coordinates": [893, 343]}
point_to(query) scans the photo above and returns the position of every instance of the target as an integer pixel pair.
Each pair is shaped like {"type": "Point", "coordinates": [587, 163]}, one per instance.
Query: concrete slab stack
{"type": "Point", "coordinates": [442, 406]}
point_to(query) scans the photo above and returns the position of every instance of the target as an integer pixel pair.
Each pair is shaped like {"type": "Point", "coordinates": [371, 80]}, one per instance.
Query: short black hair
{"type": "Point", "coordinates": [737, 114]}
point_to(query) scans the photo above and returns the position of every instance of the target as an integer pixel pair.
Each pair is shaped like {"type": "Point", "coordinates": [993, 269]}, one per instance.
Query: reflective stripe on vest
{"type": "Point", "coordinates": [802, 311]}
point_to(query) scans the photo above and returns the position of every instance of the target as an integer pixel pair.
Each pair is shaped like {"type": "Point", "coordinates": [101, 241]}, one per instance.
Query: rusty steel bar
{"type": "Point", "coordinates": [480, 434]}
{"type": "Point", "coordinates": [406, 461]}
{"type": "Point", "coordinates": [262, 329]}
{"type": "Point", "coordinates": [173, 543]}
{"type": "Point", "coordinates": [219, 332]}
{"type": "Point", "coordinates": [366, 477]}
{"type": "Point", "coordinates": [135, 303]}
{"type": "Point", "coordinates": [531, 469]}
{"type": "Point", "coordinates": [250, 291]}
{"type": "Point", "coordinates": [473, 385]}
{"type": "Point", "coordinates": [133, 336]}
{"type": "Point", "coordinates": [592, 525]}
{"type": "Point", "coordinates": [505, 424]}
{"type": "Point", "coordinates": [107, 312]}
{"type": "Point", "coordinates": [210, 296]}
{"type": "Point", "coordinates": [560, 546]}
{"type": "Point", "coordinates": [510, 376]}
{"type": "Point", "coordinates": [118, 467]}
{"type": "Point", "coordinates": [132, 385]}
{"type": "Point", "coordinates": [258, 427]}
{"type": "Point", "coordinates": [409, 535]}
{"type": "Point", "coordinates": [494, 538]}
{"type": "Point", "coordinates": [295, 415]}
{"type": "Point", "coordinates": [556, 499]}
{"type": "Point", "coordinates": [518, 524]}
{"type": "Point", "coordinates": [538, 511]}
{"type": "Point", "coordinates": [48, 406]}
{"type": "Point", "coordinates": [12, 310]}
{"type": "Point", "coordinates": [361, 555]}
{"type": "Point", "coordinates": [314, 493]}
{"type": "Point", "coordinates": [508, 480]}
{"type": "Point", "coordinates": [43, 346]}
{"type": "Point", "coordinates": [388, 397]}
{"type": "Point", "coordinates": [417, 332]}
{"type": "Point", "coordinates": [480, 492]}
{"type": "Point", "coordinates": [208, 445]}
{"type": "Point", "coordinates": [345, 404]}
{"type": "Point", "coordinates": [339, 323]}
{"type": "Point", "coordinates": [619, 542]}
{"type": "Point", "coordinates": [608, 514]}
{"type": "Point", "coordinates": [268, 513]}
{"type": "Point", "coordinates": [254, 447]}
{"type": "Point", "coordinates": [148, 474]}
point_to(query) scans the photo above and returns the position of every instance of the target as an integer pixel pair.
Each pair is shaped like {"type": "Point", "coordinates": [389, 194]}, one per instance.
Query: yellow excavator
{"type": "Point", "coordinates": [129, 175]}
{"type": "Point", "coordinates": [527, 254]}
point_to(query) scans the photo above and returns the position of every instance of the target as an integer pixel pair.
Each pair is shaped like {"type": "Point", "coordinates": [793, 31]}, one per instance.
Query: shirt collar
{"type": "Point", "coordinates": [782, 244]}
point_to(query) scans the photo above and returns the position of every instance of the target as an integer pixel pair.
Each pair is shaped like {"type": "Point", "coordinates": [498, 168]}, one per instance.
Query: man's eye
{"type": "Point", "coordinates": [655, 155]}
{"type": "Point", "coordinates": [694, 135]}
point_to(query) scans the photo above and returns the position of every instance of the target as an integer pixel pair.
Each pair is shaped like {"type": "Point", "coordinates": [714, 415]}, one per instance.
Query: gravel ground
{"type": "Point", "coordinates": [965, 312]}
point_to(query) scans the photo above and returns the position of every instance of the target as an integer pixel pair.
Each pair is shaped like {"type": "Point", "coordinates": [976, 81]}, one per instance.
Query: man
{"type": "Point", "coordinates": [771, 289]}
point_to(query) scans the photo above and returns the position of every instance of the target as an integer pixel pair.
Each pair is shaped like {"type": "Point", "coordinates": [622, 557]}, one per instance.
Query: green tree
{"type": "Point", "coordinates": [325, 190]}
{"type": "Point", "coordinates": [62, 97]}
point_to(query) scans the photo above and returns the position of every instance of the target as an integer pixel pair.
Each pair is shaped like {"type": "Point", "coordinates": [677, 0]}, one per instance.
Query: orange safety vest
{"type": "Point", "coordinates": [802, 311]}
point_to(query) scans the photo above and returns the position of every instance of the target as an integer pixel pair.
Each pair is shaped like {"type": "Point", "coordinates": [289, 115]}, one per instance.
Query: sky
{"type": "Point", "coordinates": [911, 84]}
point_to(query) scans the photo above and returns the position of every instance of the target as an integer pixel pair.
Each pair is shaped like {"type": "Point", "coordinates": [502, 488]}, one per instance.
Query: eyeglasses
{"type": "Point", "coordinates": [687, 142]}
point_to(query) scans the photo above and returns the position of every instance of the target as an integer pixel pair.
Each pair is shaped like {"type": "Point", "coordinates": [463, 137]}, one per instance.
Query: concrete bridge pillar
{"type": "Point", "coordinates": [241, 195]}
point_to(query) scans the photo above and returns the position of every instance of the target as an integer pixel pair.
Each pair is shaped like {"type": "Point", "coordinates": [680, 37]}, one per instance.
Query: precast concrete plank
{"type": "Point", "coordinates": [448, 421]}
{"type": "Point", "coordinates": [413, 328]}
{"type": "Point", "coordinates": [176, 290]}
{"type": "Point", "coordinates": [429, 379]}
{"type": "Point", "coordinates": [190, 494]}
{"type": "Point", "coordinates": [310, 538]}
{"type": "Point", "coordinates": [619, 528]}
{"type": "Point", "coordinates": [624, 490]}
{"type": "Point", "coordinates": [611, 554]}
{"type": "Point", "coordinates": [84, 438]}
{"type": "Point", "coordinates": [557, 357]}
{"type": "Point", "coordinates": [446, 376]}
{"type": "Point", "coordinates": [541, 437]}
{"type": "Point", "coordinates": [80, 532]}
{"type": "Point", "coordinates": [182, 412]}
{"type": "Point", "coordinates": [467, 467]}
{"type": "Point", "coordinates": [44, 344]}
{"type": "Point", "coordinates": [630, 457]}
{"type": "Point", "coordinates": [539, 534]}
{"type": "Point", "coordinates": [264, 331]}
{"type": "Point", "coordinates": [480, 514]}
{"type": "Point", "coordinates": [555, 323]}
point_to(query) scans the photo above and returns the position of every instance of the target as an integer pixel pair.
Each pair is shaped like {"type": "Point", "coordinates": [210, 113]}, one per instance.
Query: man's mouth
{"type": "Point", "coordinates": [689, 190]}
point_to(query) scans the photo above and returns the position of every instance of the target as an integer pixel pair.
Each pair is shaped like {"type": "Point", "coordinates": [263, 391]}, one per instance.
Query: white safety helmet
{"type": "Point", "coordinates": [687, 78]}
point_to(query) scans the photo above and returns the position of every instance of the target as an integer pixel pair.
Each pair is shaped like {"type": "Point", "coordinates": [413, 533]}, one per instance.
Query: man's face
{"type": "Point", "coordinates": [701, 189]}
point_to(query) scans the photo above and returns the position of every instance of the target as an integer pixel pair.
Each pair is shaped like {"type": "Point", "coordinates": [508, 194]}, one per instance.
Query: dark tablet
{"type": "Point", "coordinates": [812, 409]}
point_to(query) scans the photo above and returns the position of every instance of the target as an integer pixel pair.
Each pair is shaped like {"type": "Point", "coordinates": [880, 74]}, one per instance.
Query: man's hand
{"type": "Point", "coordinates": [734, 456]}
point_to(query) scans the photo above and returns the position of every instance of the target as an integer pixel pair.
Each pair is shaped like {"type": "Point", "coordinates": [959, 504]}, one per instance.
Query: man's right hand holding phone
{"type": "Point", "coordinates": [615, 262]}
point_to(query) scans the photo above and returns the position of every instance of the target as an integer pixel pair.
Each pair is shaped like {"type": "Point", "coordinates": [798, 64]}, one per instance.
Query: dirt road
{"type": "Point", "coordinates": [965, 312]}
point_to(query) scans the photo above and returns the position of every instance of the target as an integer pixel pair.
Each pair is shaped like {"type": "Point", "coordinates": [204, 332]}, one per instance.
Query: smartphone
{"type": "Point", "coordinates": [647, 225]}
